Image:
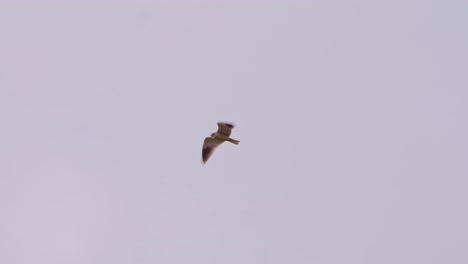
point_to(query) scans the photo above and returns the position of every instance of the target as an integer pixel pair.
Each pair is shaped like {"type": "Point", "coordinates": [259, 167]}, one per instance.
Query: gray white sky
{"type": "Point", "coordinates": [352, 117]}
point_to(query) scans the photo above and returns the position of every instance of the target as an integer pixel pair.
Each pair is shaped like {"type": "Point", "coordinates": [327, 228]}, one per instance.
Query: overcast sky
{"type": "Point", "coordinates": [351, 116]}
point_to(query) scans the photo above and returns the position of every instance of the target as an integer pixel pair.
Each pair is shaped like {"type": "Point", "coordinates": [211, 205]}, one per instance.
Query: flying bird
{"type": "Point", "coordinates": [216, 139]}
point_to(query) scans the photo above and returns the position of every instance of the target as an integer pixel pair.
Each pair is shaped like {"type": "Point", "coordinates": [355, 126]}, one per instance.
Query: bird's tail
{"type": "Point", "coordinates": [233, 141]}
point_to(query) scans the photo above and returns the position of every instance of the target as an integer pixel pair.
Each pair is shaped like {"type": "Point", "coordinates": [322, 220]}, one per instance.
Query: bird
{"type": "Point", "coordinates": [217, 138]}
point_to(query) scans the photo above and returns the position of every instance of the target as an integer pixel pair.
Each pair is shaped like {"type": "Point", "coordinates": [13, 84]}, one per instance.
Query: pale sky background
{"type": "Point", "coordinates": [352, 117]}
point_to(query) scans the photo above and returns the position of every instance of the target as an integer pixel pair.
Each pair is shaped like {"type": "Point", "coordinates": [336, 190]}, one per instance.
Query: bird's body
{"type": "Point", "coordinates": [217, 138]}
{"type": "Point", "coordinates": [221, 137]}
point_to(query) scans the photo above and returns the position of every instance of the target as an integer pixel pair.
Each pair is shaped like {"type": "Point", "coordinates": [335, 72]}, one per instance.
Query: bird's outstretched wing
{"type": "Point", "coordinates": [225, 128]}
{"type": "Point", "coordinates": [209, 146]}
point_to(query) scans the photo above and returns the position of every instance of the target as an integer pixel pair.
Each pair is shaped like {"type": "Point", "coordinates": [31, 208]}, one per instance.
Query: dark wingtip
{"type": "Point", "coordinates": [205, 154]}
{"type": "Point", "coordinates": [230, 125]}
